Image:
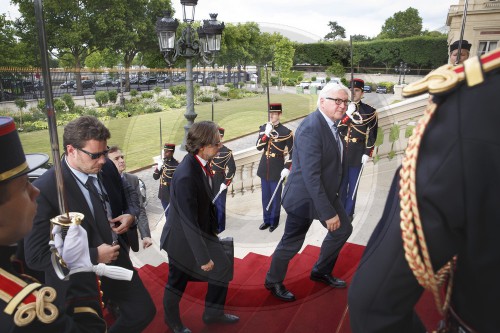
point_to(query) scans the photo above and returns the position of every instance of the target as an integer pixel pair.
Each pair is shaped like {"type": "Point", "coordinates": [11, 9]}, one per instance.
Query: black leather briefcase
{"type": "Point", "coordinates": [228, 245]}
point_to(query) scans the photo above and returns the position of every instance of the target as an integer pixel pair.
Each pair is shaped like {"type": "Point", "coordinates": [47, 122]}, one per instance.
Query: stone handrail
{"type": "Point", "coordinates": [395, 123]}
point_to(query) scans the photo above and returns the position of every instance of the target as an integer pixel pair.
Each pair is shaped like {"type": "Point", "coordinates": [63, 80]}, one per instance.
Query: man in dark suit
{"type": "Point", "coordinates": [134, 197]}
{"type": "Point", "coordinates": [448, 212]}
{"type": "Point", "coordinates": [25, 304]}
{"type": "Point", "coordinates": [358, 131]}
{"type": "Point", "coordinates": [223, 169]}
{"type": "Point", "coordinates": [190, 232]}
{"type": "Point", "coordinates": [92, 186]}
{"type": "Point", "coordinates": [311, 192]}
{"type": "Point", "coordinates": [276, 142]}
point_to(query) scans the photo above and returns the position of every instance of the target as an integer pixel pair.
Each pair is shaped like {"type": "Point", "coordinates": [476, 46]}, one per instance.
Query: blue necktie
{"type": "Point", "coordinates": [337, 138]}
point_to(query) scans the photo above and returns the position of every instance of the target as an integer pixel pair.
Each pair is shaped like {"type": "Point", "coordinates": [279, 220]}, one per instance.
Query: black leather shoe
{"type": "Point", "coordinates": [263, 226]}
{"type": "Point", "coordinates": [272, 228]}
{"type": "Point", "coordinates": [177, 328]}
{"type": "Point", "coordinates": [224, 318]}
{"type": "Point", "coordinates": [329, 280]}
{"type": "Point", "coordinates": [279, 291]}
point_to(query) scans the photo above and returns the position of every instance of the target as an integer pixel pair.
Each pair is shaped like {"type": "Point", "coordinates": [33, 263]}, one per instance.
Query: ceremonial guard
{"type": "Point", "coordinates": [440, 226]}
{"type": "Point", "coordinates": [277, 141]}
{"type": "Point", "coordinates": [358, 131]}
{"type": "Point", "coordinates": [223, 169]}
{"type": "Point", "coordinates": [25, 304]}
{"type": "Point", "coordinates": [164, 171]}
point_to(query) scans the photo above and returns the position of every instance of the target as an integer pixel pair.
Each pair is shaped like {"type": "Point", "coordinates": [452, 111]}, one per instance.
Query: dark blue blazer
{"type": "Point", "coordinates": [190, 232]}
{"type": "Point", "coordinates": [311, 190]}
{"type": "Point", "coordinates": [37, 248]}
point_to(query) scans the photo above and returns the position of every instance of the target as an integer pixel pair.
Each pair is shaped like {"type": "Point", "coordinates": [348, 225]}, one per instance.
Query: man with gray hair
{"type": "Point", "coordinates": [311, 192]}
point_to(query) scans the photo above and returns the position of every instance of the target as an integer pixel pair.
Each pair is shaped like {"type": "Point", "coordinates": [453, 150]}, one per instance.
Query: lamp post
{"type": "Point", "coordinates": [402, 69]}
{"type": "Point", "coordinates": [203, 43]}
{"type": "Point", "coordinates": [122, 98]}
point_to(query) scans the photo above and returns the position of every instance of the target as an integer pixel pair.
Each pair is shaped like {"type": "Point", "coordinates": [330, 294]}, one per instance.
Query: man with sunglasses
{"type": "Point", "coordinates": [93, 187]}
{"type": "Point", "coordinates": [311, 193]}
{"type": "Point", "coordinates": [358, 130]}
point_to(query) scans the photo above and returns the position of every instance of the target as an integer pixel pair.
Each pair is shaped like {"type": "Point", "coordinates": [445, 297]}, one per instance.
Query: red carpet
{"type": "Point", "coordinates": [318, 308]}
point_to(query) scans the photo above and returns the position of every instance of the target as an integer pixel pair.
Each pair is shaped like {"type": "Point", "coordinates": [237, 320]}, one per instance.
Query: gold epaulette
{"type": "Point", "coordinates": [26, 302]}
{"type": "Point", "coordinates": [447, 77]}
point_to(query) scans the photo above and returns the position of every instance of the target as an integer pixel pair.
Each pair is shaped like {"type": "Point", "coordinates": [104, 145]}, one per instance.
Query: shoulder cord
{"type": "Point", "coordinates": [415, 246]}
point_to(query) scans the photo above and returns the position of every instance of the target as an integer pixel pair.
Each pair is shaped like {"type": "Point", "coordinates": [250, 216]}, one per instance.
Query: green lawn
{"type": "Point", "coordinates": [139, 137]}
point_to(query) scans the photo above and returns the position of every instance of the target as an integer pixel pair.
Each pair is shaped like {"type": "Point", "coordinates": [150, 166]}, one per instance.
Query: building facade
{"type": "Point", "coordinates": [482, 26]}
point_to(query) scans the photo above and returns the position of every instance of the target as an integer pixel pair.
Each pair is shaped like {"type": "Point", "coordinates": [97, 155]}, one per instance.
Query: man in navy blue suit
{"type": "Point", "coordinates": [311, 192]}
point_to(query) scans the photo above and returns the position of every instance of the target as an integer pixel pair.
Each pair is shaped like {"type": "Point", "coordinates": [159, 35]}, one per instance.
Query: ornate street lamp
{"type": "Point", "coordinates": [203, 44]}
{"type": "Point", "coordinates": [402, 69]}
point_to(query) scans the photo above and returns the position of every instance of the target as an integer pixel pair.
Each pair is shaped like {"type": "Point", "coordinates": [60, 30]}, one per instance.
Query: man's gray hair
{"type": "Point", "coordinates": [332, 87]}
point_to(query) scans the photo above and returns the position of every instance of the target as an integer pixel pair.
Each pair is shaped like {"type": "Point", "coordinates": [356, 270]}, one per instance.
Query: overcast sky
{"type": "Point", "coordinates": [357, 17]}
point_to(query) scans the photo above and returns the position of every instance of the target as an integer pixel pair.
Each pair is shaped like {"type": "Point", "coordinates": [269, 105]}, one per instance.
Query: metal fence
{"type": "Point", "coordinates": [27, 83]}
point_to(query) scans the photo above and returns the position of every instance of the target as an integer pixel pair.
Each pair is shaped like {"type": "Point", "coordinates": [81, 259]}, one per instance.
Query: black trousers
{"type": "Point", "coordinates": [137, 309]}
{"type": "Point", "coordinates": [176, 285]}
{"type": "Point", "coordinates": [296, 228]}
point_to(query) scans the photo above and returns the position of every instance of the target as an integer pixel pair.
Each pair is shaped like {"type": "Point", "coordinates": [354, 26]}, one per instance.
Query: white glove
{"type": "Point", "coordinates": [364, 158]}
{"type": "Point", "coordinates": [159, 166]}
{"type": "Point", "coordinates": [350, 110]}
{"type": "Point", "coordinates": [75, 250]}
{"type": "Point", "coordinates": [269, 128]}
{"type": "Point", "coordinates": [284, 173]}
{"type": "Point", "coordinates": [222, 187]}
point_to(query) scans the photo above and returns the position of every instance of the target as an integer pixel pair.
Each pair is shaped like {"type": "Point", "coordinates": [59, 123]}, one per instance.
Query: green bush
{"type": "Point", "coordinates": [344, 81]}
{"type": "Point", "coordinates": [59, 105]}
{"type": "Point", "coordinates": [274, 80]}
{"type": "Point", "coordinates": [147, 95]}
{"type": "Point", "coordinates": [113, 96]}
{"type": "Point", "coordinates": [157, 90]}
{"type": "Point", "coordinates": [134, 92]}
{"type": "Point", "coordinates": [229, 85]}
{"type": "Point", "coordinates": [101, 97]}
{"type": "Point", "coordinates": [388, 85]}
{"type": "Point", "coordinates": [178, 90]}
{"type": "Point", "coordinates": [68, 100]}
{"type": "Point", "coordinates": [313, 78]}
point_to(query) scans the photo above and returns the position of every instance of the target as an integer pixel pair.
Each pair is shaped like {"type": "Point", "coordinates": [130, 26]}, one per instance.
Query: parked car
{"type": "Point", "coordinates": [367, 89]}
{"type": "Point", "coordinates": [116, 82]}
{"type": "Point", "coordinates": [67, 84]}
{"type": "Point", "coordinates": [319, 83]}
{"type": "Point", "coordinates": [104, 83]}
{"type": "Point", "coordinates": [134, 80]}
{"type": "Point", "coordinates": [148, 80]}
{"type": "Point", "coordinates": [305, 84]}
{"type": "Point", "coordinates": [86, 84]}
{"type": "Point", "coordinates": [381, 90]}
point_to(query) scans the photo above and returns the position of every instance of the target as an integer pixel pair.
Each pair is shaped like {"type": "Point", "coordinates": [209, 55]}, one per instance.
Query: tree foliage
{"type": "Point", "coordinates": [402, 24]}
{"type": "Point", "coordinates": [337, 32]}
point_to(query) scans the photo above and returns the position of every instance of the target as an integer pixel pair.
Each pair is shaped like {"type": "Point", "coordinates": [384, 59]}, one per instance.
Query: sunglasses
{"type": "Point", "coordinates": [94, 156]}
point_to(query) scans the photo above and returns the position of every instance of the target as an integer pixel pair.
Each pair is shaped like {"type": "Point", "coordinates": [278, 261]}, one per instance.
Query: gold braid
{"type": "Point", "coordinates": [415, 246]}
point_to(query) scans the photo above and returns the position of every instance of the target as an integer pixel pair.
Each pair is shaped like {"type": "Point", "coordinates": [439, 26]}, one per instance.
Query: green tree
{"type": "Point", "coordinates": [336, 69]}
{"type": "Point", "coordinates": [283, 56]}
{"type": "Point", "coordinates": [21, 104]}
{"type": "Point", "coordinates": [402, 24]}
{"type": "Point", "coordinates": [360, 38]}
{"type": "Point", "coordinates": [337, 32]}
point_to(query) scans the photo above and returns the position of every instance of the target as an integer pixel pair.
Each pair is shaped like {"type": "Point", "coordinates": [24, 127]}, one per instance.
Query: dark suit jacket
{"type": "Point", "coordinates": [190, 232]}
{"type": "Point", "coordinates": [37, 250]}
{"type": "Point", "coordinates": [311, 190]}
{"type": "Point", "coordinates": [142, 218]}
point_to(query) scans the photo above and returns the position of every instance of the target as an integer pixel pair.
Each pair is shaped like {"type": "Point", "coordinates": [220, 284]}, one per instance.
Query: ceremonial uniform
{"type": "Point", "coordinates": [19, 294]}
{"type": "Point", "coordinates": [165, 174]}
{"type": "Point", "coordinates": [223, 169]}
{"type": "Point", "coordinates": [449, 191]}
{"type": "Point", "coordinates": [277, 154]}
{"type": "Point", "coordinates": [358, 140]}
{"type": "Point", "coordinates": [25, 304]}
